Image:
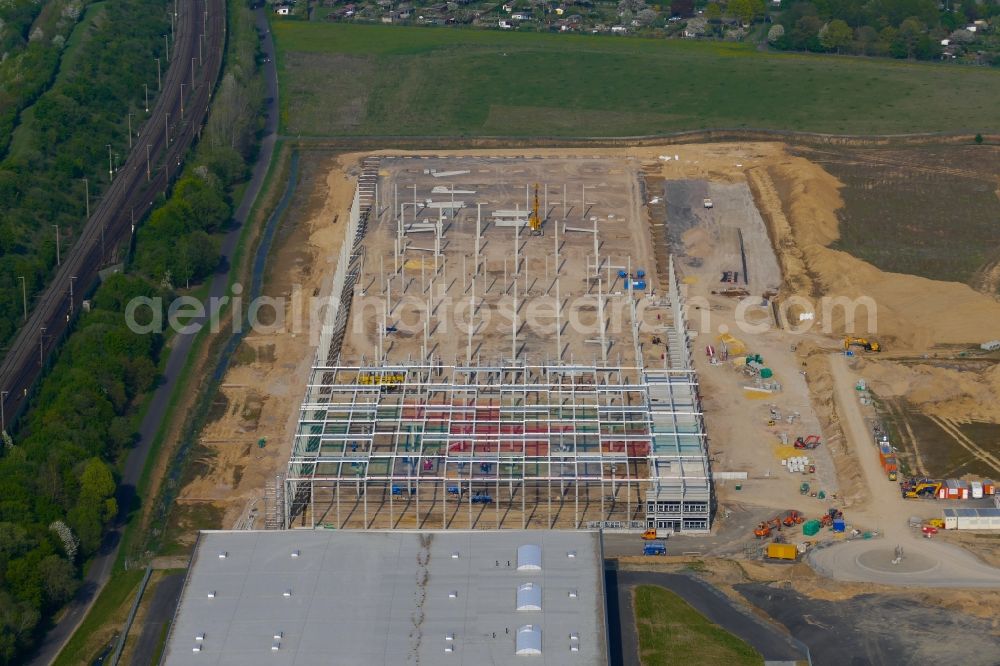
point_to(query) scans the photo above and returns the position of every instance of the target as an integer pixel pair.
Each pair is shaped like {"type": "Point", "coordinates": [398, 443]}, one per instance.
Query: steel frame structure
{"type": "Point", "coordinates": [420, 444]}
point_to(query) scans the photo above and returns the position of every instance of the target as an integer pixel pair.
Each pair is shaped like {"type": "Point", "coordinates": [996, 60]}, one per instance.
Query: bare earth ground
{"type": "Point", "coordinates": [262, 395]}
{"type": "Point", "coordinates": [797, 201]}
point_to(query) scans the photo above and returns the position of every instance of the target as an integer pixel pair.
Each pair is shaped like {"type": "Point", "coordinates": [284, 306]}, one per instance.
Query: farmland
{"type": "Point", "coordinates": [384, 80]}
{"type": "Point", "coordinates": [927, 211]}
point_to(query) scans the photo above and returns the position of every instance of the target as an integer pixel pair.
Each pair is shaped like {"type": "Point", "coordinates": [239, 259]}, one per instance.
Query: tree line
{"type": "Point", "coordinates": [896, 28]}
{"type": "Point", "coordinates": [59, 476]}
{"type": "Point", "coordinates": [62, 138]}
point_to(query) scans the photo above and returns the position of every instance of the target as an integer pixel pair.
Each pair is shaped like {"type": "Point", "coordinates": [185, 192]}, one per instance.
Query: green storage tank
{"type": "Point", "coordinates": [766, 373]}
{"type": "Point", "coordinates": [811, 528]}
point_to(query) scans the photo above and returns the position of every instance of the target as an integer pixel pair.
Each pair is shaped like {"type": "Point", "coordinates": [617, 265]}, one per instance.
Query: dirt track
{"type": "Point", "coordinates": [926, 562]}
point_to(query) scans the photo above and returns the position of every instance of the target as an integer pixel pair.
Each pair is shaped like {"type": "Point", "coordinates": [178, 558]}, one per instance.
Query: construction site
{"type": "Point", "coordinates": [633, 340]}
{"type": "Point", "coordinates": [499, 353]}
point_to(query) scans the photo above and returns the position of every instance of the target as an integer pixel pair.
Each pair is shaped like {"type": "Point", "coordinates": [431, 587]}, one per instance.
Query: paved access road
{"type": "Point", "coordinates": [99, 570]}
{"type": "Point", "coordinates": [770, 641]}
{"type": "Point", "coordinates": [926, 562]}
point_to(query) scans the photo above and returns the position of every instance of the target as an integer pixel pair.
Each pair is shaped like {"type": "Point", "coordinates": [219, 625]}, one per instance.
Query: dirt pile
{"type": "Point", "coordinates": [799, 201]}
{"type": "Point", "coordinates": [960, 395]}
{"type": "Point", "coordinates": [816, 362]}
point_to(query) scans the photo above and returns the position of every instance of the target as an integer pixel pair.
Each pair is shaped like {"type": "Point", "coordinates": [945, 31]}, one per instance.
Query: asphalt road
{"type": "Point", "coordinates": [159, 614]}
{"type": "Point", "coordinates": [99, 570]}
{"type": "Point", "coordinates": [874, 629]}
{"type": "Point", "coordinates": [771, 642]}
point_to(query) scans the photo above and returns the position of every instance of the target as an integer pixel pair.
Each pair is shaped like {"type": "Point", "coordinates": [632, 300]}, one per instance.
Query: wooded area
{"type": "Point", "coordinates": [58, 479]}
{"type": "Point", "coordinates": [61, 137]}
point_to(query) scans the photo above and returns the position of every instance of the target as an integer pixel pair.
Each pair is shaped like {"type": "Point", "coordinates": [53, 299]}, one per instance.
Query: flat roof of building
{"type": "Point", "coordinates": [392, 597]}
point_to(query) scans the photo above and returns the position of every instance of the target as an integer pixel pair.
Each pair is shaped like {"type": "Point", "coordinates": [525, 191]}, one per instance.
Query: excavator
{"type": "Point", "coordinates": [864, 343]}
{"type": "Point", "coordinates": [920, 488]}
{"type": "Point", "coordinates": [534, 219]}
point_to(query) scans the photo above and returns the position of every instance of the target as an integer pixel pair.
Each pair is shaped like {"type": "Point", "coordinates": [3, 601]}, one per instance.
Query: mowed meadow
{"type": "Point", "coordinates": [344, 79]}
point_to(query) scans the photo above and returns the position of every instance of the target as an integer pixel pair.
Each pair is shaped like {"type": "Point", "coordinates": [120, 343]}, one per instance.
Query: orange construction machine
{"type": "Point", "coordinates": [765, 528]}
{"type": "Point", "coordinates": [793, 518]}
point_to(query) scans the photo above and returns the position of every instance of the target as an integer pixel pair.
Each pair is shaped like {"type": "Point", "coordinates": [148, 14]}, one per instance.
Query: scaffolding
{"type": "Point", "coordinates": [508, 443]}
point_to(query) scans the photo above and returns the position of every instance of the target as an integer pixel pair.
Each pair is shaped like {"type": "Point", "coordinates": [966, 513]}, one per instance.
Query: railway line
{"type": "Point", "coordinates": [174, 121]}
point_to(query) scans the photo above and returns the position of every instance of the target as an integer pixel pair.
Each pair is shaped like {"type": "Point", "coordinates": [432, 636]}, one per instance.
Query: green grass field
{"type": "Point", "coordinates": [672, 632]}
{"type": "Point", "coordinates": [340, 79]}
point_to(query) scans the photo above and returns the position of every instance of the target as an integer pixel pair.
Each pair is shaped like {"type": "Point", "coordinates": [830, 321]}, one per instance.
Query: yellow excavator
{"type": "Point", "coordinates": [534, 219]}
{"type": "Point", "coordinates": [864, 343]}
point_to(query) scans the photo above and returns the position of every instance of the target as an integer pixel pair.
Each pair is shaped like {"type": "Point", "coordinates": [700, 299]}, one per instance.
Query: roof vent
{"type": "Point", "coordinates": [275, 646]}
{"type": "Point", "coordinates": [449, 637]}
{"type": "Point", "coordinates": [574, 636]}
{"type": "Point", "coordinates": [529, 557]}
{"type": "Point", "coordinates": [573, 594]}
{"type": "Point", "coordinates": [223, 555]}
{"type": "Point", "coordinates": [529, 640]}
{"type": "Point", "coordinates": [449, 648]}
{"type": "Point", "coordinates": [574, 648]}
{"type": "Point", "coordinates": [296, 552]}
{"type": "Point", "coordinates": [200, 637]}
{"type": "Point", "coordinates": [288, 592]}
{"type": "Point", "coordinates": [196, 648]}
{"type": "Point", "coordinates": [529, 597]}
{"type": "Point", "coordinates": [453, 594]}
{"type": "Point", "coordinates": [454, 555]}
{"type": "Point", "coordinates": [211, 595]}
{"type": "Point", "coordinates": [571, 554]}
{"type": "Point", "coordinates": [278, 635]}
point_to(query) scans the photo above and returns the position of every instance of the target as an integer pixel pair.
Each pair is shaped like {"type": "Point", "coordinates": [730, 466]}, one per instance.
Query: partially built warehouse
{"type": "Point", "coordinates": [500, 360]}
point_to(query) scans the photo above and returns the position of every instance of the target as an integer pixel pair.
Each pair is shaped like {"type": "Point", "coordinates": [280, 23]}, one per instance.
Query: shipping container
{"type": "Point", "coordinates": [782, 551]}
{"type": "Point", "coordinates": [811, 527]}
{"type": "Point", "coordinates": [890, 465]}
{"type": "Point", "coordinates": [839, 525]}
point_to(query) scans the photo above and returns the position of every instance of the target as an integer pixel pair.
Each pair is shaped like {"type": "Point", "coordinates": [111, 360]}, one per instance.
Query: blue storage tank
{"type": "Point", "coordinates": [640, 273]}
{"type": "Point", "coordinates": [622, 274]}
{"type": "Point", "coordinates": [640, 284]}
{"type": "Point", "coordinates": [839, 525]}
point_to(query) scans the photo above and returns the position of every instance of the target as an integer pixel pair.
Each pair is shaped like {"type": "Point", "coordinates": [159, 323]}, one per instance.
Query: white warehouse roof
{"type": "Point", "coordinates": [392, 597]}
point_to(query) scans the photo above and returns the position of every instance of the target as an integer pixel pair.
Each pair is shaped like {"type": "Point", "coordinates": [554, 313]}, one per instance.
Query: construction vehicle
{"type": "Point", "coordinates": [793, 518]}
{"type": "Point", "coordinates": [765, 528]}
{"type": "Point", "coordinates": [534, 219]}
{"type": "Point", "coordinates": [810, 442]}
{"type": "Point", "coordinates": [707, 203]}
{"type": "Point", "coordinates": [920, 488]}
{"type": "Point", "coordinates": [864, 343]}
{"type": "Point", "coordinates": [649, 535]}
{"type": "Point", "coordinates": [828, 518]}
{"type": "Point", "coordinates": [654, 548]}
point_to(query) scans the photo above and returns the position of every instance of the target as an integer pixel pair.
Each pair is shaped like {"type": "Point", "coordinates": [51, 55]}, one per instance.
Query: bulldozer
{"type": "Point", "coordinates": [864, 343]}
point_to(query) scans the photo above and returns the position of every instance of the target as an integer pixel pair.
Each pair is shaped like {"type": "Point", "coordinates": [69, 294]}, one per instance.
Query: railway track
{"type": "Point", "coordinates": [172, 125]}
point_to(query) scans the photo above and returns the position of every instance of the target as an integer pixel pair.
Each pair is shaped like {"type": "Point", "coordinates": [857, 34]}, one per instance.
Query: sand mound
{"type": "Point", "coordinates": [907, 311]}
{"type": "Point", "coordinates": [960, 395]}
